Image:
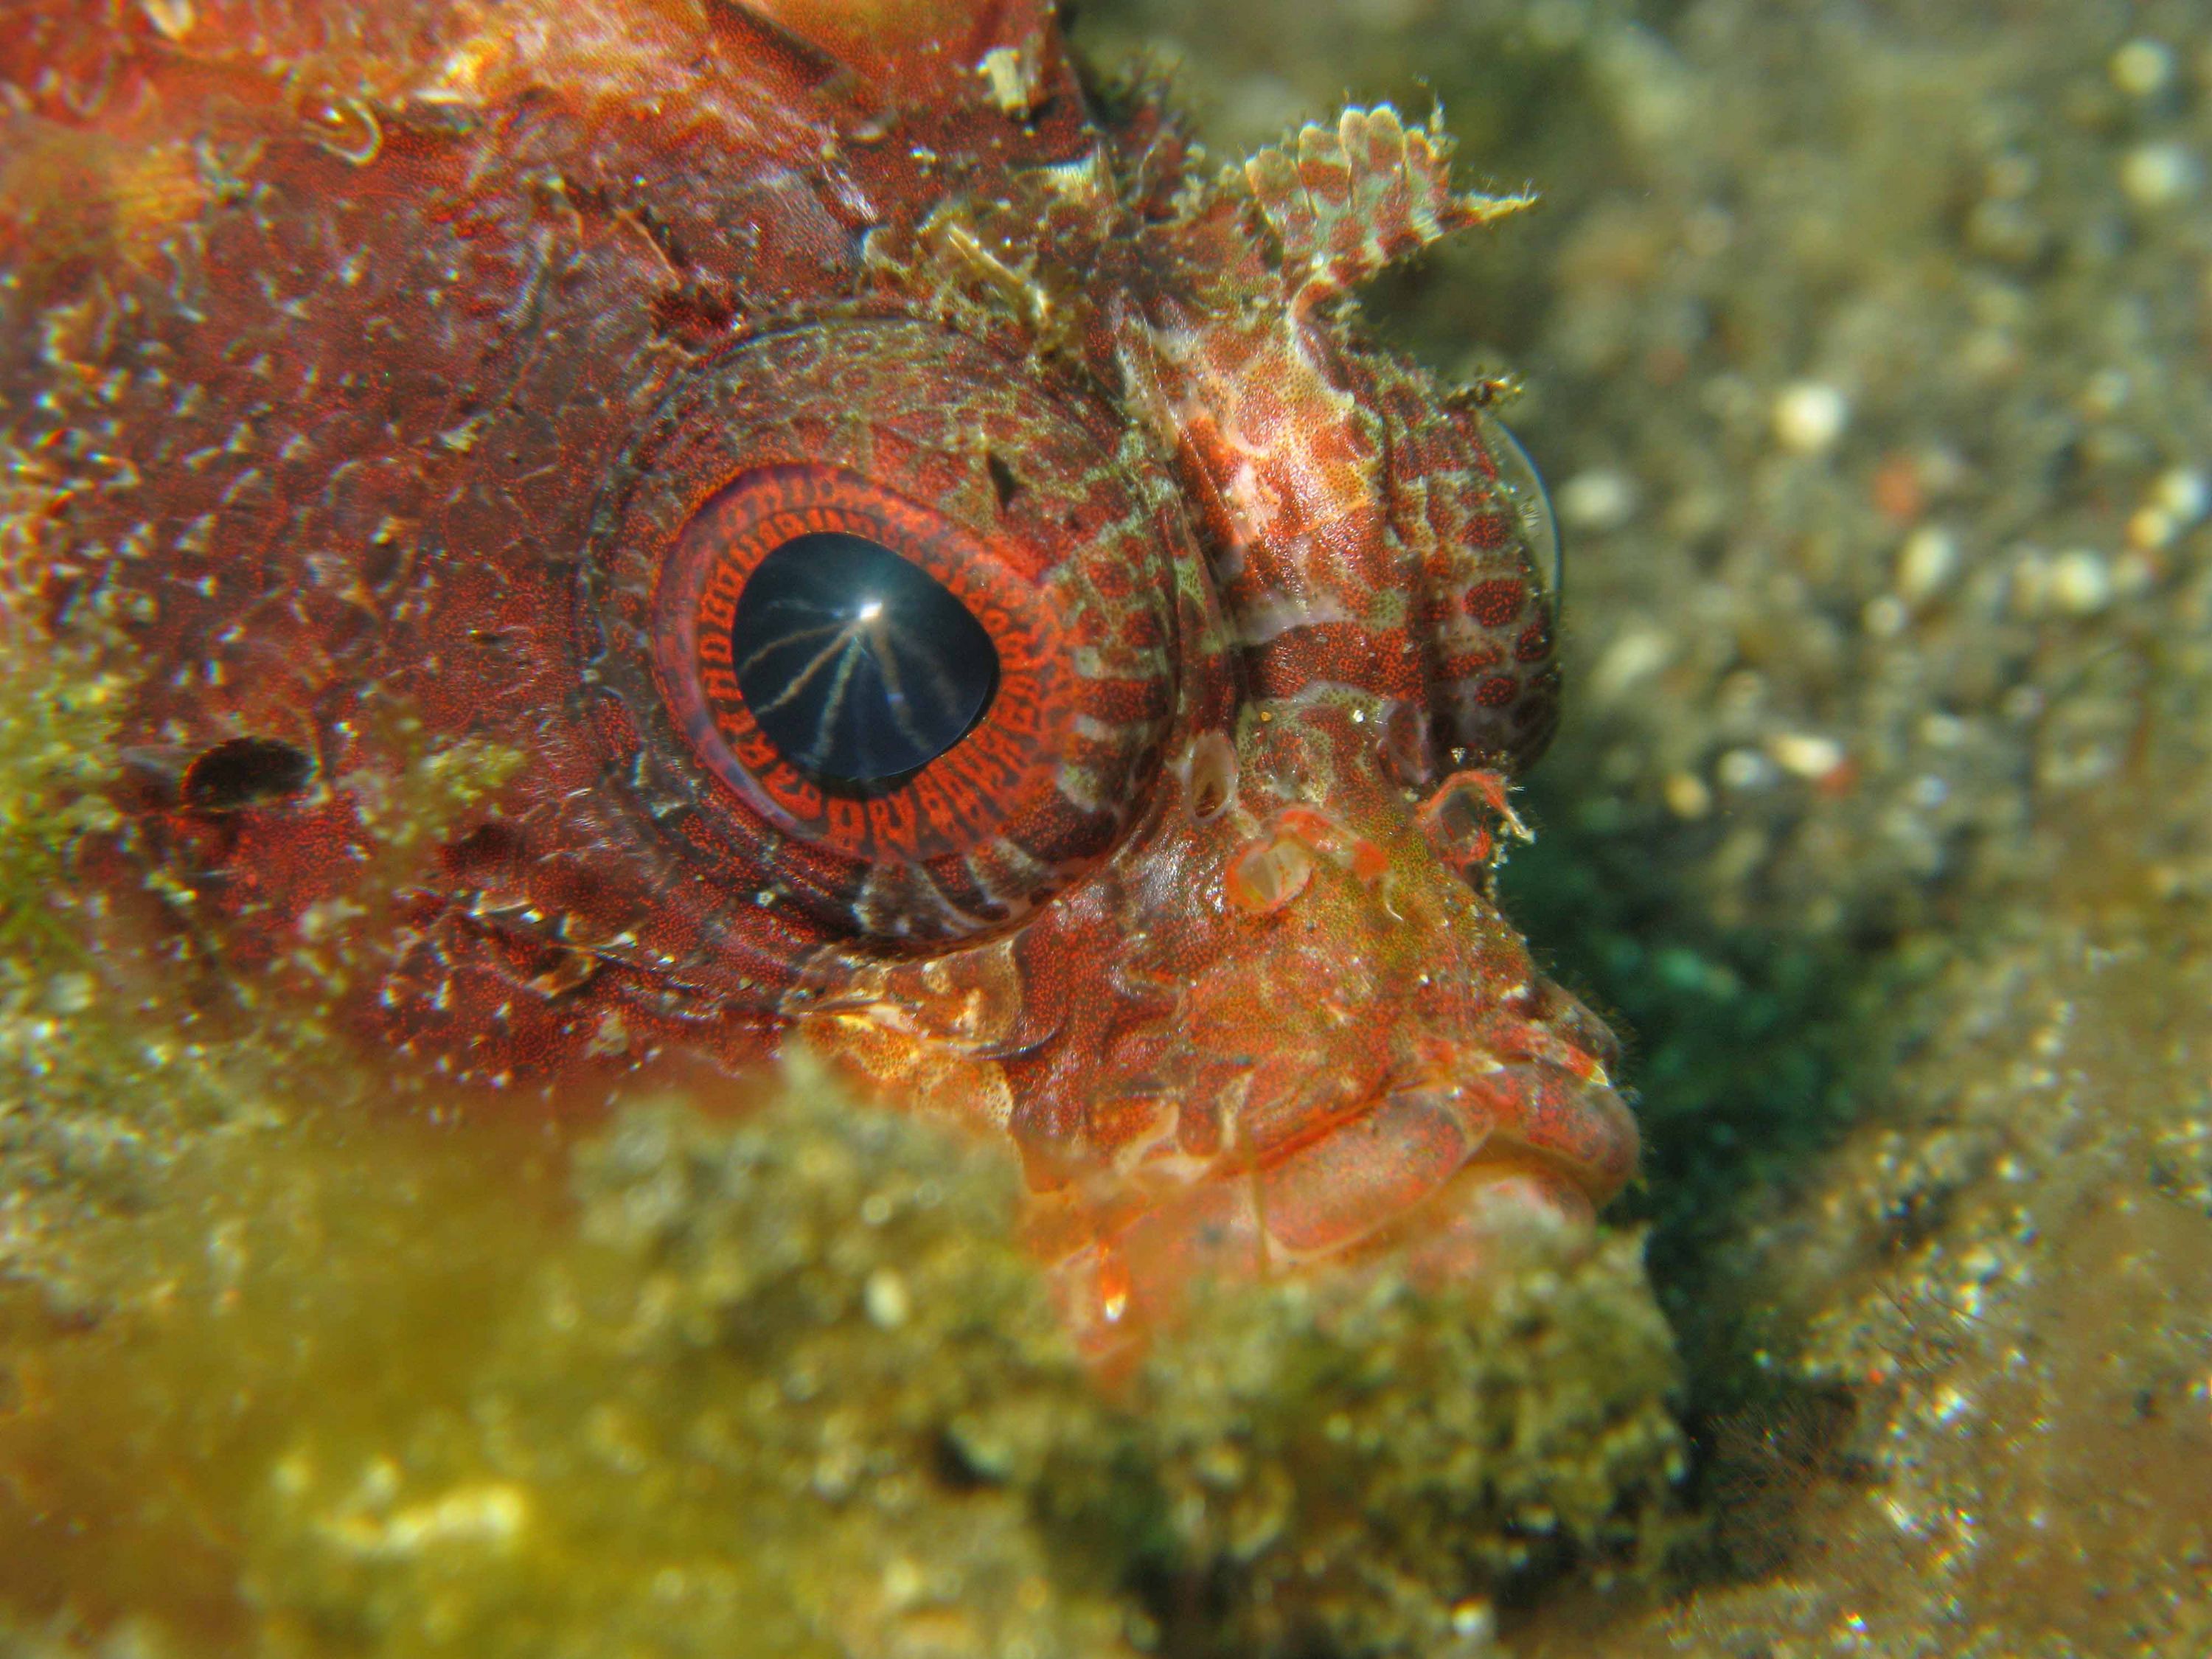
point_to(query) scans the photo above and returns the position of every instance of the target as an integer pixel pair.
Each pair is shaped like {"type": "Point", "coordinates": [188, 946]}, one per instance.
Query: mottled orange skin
{"type": "Point", "coordinates": [363, 362]}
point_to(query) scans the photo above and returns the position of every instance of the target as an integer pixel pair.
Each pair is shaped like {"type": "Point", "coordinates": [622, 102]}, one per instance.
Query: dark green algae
{"type": "Point", "coordinates": [300, 1357]}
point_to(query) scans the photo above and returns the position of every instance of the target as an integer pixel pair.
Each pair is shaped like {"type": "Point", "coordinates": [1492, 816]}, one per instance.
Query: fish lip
{"type": "Point", "coordinates": [1549, 1116]}
{"type": "Point", "coordinates": [1374, 1169]}
{"type": "Point", "coordinates": [1380, 1186]}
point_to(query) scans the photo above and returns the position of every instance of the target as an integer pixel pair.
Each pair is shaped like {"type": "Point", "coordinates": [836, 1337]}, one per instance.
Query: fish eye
{"type": "Point", "coordinates": [1531, 506]}
{"type": "Point", "coordinates": [877, 617]}
{"type": "Point", "coordinates": [869, 672]}
{"type": "Point", "coordinates": [859, 666]}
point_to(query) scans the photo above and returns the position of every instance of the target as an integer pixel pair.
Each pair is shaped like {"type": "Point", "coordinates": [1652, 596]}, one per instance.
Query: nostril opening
{"type": "Point", "coordinates": [244, 771]}
{"type": "Point", "coordinates": [1212, 777]}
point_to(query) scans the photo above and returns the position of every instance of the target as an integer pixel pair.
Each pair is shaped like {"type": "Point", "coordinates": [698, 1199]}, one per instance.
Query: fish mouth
{"type": "Point", "coordinates": [1427, 1148]}
{"type": "Point", "coordinates": [1445, 1176]}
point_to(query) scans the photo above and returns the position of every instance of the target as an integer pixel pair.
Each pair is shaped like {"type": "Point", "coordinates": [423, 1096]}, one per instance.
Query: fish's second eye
{"type": "Point", "coordinates": [859, 666]}
{"type": "Point", "coordinates": [1532, 507]}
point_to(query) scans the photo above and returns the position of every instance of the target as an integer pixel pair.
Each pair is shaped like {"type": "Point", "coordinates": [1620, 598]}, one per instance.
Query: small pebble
{"type": "Point", "coordinates": [2105, 394]}
{"type": "Point", "coordinates": [1990, 353]}
{"type": "Point", "coordinates": [1709, 231]}
{"type": "Point", "coordinates": [885, 1297]}
{"type": "Point", "coordinates": [1941, 731]}
{"type": "Point", "coordinates": [2135, 574]}
{"type": "Point", "coordinates": [1637, 653]}
{"type": "Point", "coordinates": [1805, 754]}
{"type": "Point", "coordinates": [1599, 499]}
{"type": "Point", "coordinates": [1980, 1262]}
{"type": "Point", "coordinates": [1944, 470]}
{"type": "Point", "coordinates": [2142, 68]}
{"type": "Point", "coordinates": [1884, 617]}
{"type": "Point", "coordinates": [2159, 174]}
{"type": "Point", "coordinates": [2007, 231]}
{"type": "Point", "coordinates": [1472, 1621]}
{"type": "Point", "coordinates": [174, 18]}
{"type": "Point", "coordinates": [1740, 693]}
{"type": "Point", "coordinates": [70, 994]}
{"type": "Point", "coordinates": [2011, 176]}
{"type": "Point", "coordinates": [2185, 493]}
{"type": "Point", "coordinates": [1810, 416]}
{"type": "Point", "coordinates": [2080, 582]}
{"type": "Point", "coordinates": [1927, 561]}
{"type": "Point", "coordinates": [2152, 527]}
{"type": "Point", "coordinates": [1743, 768]}
{"type": "Point", "coordinates": [903, 1583]}
{"type": "Point", "coordinates": [1686, 795]}
{"type": "Point", "coordinates": [1929, 791]}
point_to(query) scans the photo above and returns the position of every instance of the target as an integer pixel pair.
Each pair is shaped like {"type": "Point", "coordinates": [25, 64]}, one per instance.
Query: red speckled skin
{"type": "Point", "coordinates": [368, 367]}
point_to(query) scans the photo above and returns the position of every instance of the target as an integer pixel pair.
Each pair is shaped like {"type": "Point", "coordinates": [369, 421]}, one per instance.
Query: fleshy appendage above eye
{"type": "Point", "coordinates": [885, 625]}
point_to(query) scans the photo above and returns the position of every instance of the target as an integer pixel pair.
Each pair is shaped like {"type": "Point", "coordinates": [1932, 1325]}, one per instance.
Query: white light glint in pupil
{"type": "Point", "coordinates": [862, 667]}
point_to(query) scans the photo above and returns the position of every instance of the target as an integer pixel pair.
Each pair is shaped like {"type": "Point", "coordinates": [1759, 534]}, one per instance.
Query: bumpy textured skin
{"type": "Point", "coordinates": [366, 367]}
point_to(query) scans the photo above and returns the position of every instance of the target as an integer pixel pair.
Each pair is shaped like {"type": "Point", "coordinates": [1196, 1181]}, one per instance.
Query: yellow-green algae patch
{"type": "Point", "coordinates": [784, 1386]}
{"type": "Point", "coordinates": [276, 1278]}
{"type": "Point", "coordinates": [298, 1357]}
{"type": "Point", "coordinates": [102, 1074]}
{"type": "Point", "coordinates": [787, 1388]}
{"type": "Point", "coordinates": [1365, 1463]}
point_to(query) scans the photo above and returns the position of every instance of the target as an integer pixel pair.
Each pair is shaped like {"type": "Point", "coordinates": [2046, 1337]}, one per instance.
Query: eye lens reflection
{"type": "Point", "coordinates": [1532, 504]}
{"type": "Point", "coordinates": [862, 667]}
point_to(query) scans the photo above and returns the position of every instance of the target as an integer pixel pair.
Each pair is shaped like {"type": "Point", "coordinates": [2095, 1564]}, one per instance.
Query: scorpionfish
{"type": "Point", "coordinates": [911, 563]}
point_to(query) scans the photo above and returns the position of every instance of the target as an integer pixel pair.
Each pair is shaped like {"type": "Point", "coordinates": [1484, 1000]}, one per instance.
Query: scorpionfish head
{"type": "Point", "coordinates": [796, 526]}
{"type": "Point", "coordinates": [1242, 993]}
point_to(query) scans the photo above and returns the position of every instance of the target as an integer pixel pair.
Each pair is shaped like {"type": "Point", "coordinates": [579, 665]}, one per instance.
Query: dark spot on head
{"type": "Point", "coordinates": [1002, 479]}
{"type": "Point", "coordinates": [244, 771]}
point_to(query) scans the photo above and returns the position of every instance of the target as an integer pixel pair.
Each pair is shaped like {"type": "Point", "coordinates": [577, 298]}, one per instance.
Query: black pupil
{"type": "Point", "coordinates": [860, 667]}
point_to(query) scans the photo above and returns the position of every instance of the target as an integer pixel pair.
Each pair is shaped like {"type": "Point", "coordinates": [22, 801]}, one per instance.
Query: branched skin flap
{"type": "Point", "coordinates": [417, 387]}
